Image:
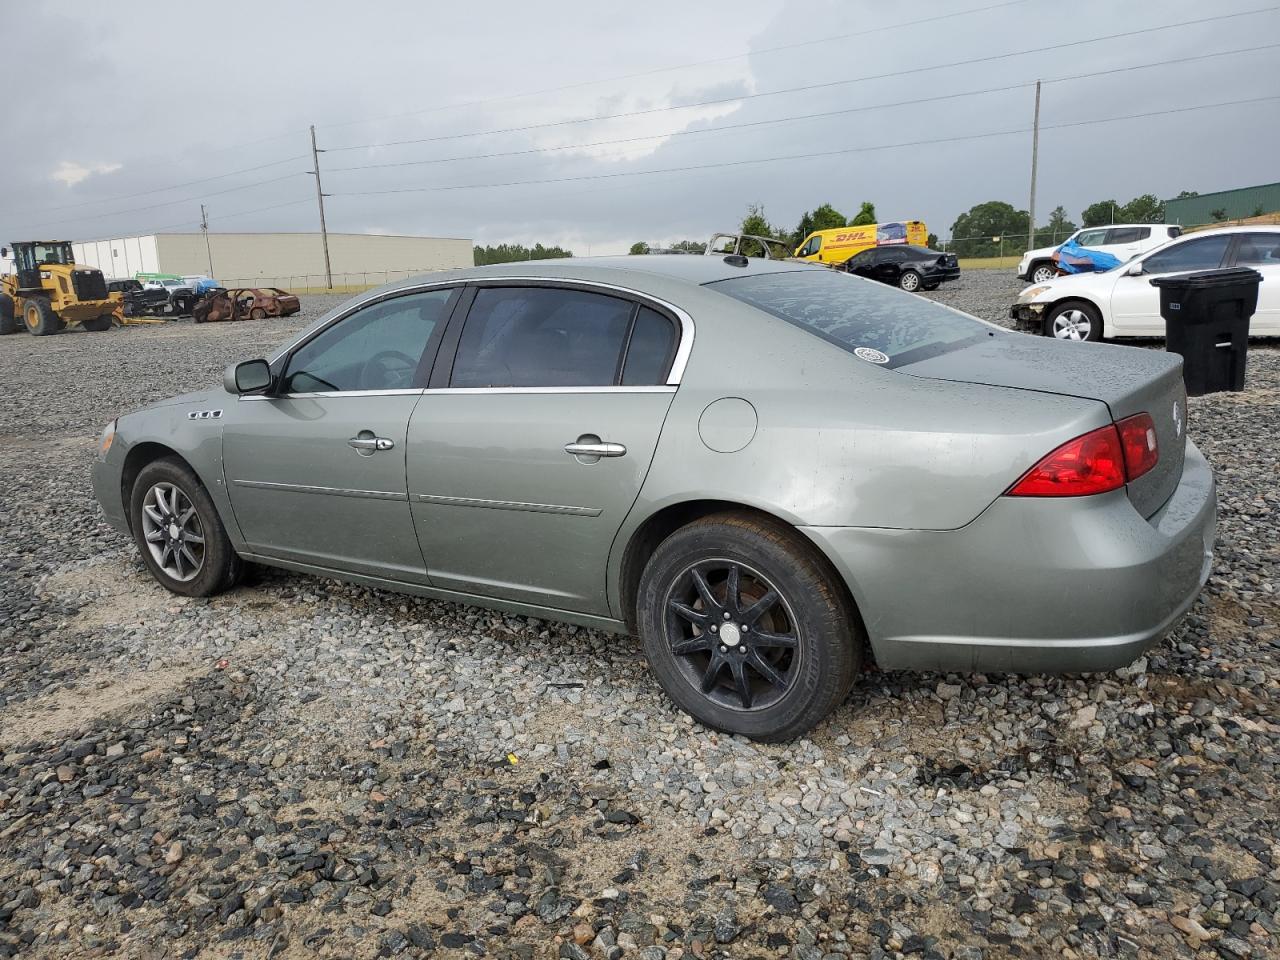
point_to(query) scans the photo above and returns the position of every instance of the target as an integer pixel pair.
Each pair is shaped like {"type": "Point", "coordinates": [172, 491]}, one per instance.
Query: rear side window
{"type": "Point", "coordinates": [649, 351]}
{"type": "Point", "coordinates": [1175, 232]}
{"type": "Point", "coordinates": [854, 313]}
{"type": "Point", "coordinates": [1127, 234]}
{"type": "Point", "coordinates": [1258, 250]}
{"type": "Point", "coordinates": [541, 337]}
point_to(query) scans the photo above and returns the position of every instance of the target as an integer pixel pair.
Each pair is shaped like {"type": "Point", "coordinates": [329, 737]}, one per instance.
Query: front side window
{"type": "Point", "coordinates": [376, 348]}
{"type": "Point", "coordinates": [853, 313]}
{"type": "Point", "coordinates": [1258, 250]}
{"type": "Point", "coordinates": [1091, 238]}
{"type": "Point", "coordinates": [541, 337]}
{"type": "Point", "coordinates": [1201, 253]}
{"type": "Point", "coordinates": [861, 259]}
{"type": "Point", "coordinates": [812, 247]}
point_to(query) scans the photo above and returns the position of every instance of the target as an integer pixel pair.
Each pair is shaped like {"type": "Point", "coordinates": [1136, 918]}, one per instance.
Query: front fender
{"type": "Point", "coordinates": [189, 427]}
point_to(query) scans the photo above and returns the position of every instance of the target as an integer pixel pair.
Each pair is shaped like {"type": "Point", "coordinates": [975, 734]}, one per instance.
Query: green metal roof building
{"type": "Point", "coordinates": [1236, 204]}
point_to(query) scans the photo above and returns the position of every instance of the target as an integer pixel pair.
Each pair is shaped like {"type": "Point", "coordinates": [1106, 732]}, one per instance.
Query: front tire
{"type": "Point", "coordinates": [178, 531]}
{"type": "Point", "coordinates": [747, 628]}
{"type": "Point", "coordinates": [909, 281]}
{"type": "Point", "coordinates": [39, 317]}
{"type": "Point", "coordinates": [97, 324]}
{"type": "Point", "coordinates": [1043, 272]}
{"type": "Point", "coordinates": [257, 313]}
{"type": "Point", "coordinates": [1074, 320]}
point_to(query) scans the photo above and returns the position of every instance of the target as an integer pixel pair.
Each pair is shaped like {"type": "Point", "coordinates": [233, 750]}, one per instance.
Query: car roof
{"type": "Point", "coordinates": [691, 269]}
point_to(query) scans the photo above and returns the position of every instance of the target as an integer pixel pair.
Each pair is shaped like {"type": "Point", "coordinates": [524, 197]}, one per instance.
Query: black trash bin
{"type": "Point", "coordinates": [1206, 319]}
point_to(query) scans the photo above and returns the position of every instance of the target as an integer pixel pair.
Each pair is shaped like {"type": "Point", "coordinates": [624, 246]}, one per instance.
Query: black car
{"type": "Point", "coordinates": [910, 268]}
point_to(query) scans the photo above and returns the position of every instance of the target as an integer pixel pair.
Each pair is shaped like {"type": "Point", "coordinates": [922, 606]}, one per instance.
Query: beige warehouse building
{"type": "Point", "coordinates": [275, 259]}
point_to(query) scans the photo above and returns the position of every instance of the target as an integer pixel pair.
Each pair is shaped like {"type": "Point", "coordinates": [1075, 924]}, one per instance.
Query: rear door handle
{"type": "Point", "coordinates": [595, 448]}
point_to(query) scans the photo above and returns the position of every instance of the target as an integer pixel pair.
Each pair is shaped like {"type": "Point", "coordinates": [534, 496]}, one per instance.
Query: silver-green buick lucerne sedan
{"type": "Point", "coordinates": [770, 472]}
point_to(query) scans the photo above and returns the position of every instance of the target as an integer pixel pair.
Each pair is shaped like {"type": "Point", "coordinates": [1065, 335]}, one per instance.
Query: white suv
{"type": "Point", "coordinates": [1121, 302]}
{"type": "Point", "coordinates": [1122, 240]}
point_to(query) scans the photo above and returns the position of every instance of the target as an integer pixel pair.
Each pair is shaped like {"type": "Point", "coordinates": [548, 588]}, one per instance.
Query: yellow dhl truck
{"type": "Point", "coordinates": [838, 245]}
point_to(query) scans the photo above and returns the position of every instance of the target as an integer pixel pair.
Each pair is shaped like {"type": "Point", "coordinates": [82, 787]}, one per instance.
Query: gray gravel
{"type": "Point", "coordinates": [304, 767]}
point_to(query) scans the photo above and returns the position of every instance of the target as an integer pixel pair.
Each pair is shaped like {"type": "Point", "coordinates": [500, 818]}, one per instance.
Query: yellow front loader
{"type": "Point", "coordinates": [47, 291]}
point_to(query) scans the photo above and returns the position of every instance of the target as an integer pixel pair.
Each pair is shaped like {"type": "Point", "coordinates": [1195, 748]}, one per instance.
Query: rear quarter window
{"type": "Point", "coordinates": [854, 313]}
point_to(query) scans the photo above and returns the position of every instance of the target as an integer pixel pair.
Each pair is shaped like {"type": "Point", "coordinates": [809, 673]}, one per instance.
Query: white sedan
{"type": "Point", "coordinates": [1122, 302]}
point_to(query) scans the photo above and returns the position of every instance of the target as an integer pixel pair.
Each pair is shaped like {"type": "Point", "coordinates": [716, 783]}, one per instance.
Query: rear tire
{"type": "Point", "coordinates": [909, 281]}
{"type": "Point", "coordinates": [8, 320]}
{"type": "Point", "coordinates": [931, 286]}
{"type": "Point", "coordinates": [799, 652]}
{"type": "Point", "coordinates": [97, 324]}
{"type": "Point", "coordinates": [39, 317]}
{"type": "Point", "coordinates": [200, 561]}
{"type": "Point", "coordinates": [1073, 320]}
{"type": "Point", "coordinates": [257, 313]}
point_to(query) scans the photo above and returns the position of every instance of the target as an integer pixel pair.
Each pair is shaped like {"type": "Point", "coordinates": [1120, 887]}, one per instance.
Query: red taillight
{"type": "Point", "coordinates": [1093, 463]}
{"type": "Point", "coordinates": [1101, 460]}
{"type": "Point", "coordinates": [1138, 437]}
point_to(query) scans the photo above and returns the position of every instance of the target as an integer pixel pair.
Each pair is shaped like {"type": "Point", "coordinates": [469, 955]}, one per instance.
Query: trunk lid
{"type": "Point", "coordinates": [1128, 380]}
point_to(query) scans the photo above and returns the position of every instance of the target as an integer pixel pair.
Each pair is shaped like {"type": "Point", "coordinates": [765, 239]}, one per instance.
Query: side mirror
{"type": "Point", "coordinates": [248, 377]}
{"type": "Point", "coordinates": [1133, 270]}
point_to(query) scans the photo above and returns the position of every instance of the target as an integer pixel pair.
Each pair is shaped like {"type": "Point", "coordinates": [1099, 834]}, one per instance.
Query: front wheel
{"type": "Point", "coordinates": [39, 317]}
{"type": "Point", "coordinates": [257, 313]}
{"type": "Point", "coordinates": [1074, 320]}
{"type": "Point", "coordinates": [178, 531]}
{"type": "Point", "coordinates": [1043, 273]}
{"type": "Point", "coordinates": [747, 628]}
{"type": "Point", "coordinates": [909, 281]}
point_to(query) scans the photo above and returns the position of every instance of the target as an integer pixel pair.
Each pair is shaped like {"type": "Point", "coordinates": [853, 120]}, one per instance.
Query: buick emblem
{"type": "Point", "coordinates": [1177, 420]}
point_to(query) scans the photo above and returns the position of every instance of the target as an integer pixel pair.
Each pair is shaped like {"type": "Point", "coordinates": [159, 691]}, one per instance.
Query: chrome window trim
{"type": "Point", "coordinates": [411, 392]}
{"type": "Point", "coordinates": [678, 364]}
{"type": "Point", "coordinates": [609, 389]}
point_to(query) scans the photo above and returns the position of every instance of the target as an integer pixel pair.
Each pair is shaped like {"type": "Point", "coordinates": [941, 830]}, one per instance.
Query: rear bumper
{"type": "Point", "coordinates": [1032, 585]}
{"type": "Point", "coordinates": [941, 274]}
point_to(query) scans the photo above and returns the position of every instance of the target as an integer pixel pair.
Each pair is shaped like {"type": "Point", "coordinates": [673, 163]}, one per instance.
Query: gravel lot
{"type": "Point", "coordinates": [304, 767]}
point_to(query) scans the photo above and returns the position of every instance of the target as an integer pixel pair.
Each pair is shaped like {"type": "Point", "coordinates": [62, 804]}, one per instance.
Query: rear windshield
{"type": "Point", "coordinates": [874, 321]}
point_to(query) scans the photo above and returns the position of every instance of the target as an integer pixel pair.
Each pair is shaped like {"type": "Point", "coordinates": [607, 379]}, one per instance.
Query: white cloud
{"type": "Point", "coordinates": [70, 173]}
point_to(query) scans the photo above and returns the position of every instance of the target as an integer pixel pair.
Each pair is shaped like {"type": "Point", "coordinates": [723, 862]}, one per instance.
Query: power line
{"type": "Point", "coordinates": [170, 203]}
{"type": "Point", "coordinates": [173, 186]}
{"type": "Point", "coordinates": [801, 156]}
{"type": "Point", "coordinates": [683, 66]}
{"type": "Point", "coordinates": [719, 101]}
{"type": "Point", "coordinates": [788, 119]}
{"type": "Point", "coordinates": [224, 216]}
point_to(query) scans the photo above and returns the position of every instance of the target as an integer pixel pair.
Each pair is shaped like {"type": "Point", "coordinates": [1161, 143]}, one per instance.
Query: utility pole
{"type": "Point", "coordinates": [1035, 158]}
{"type": "Point", "coordinates": [324, 233]}
{"type": "Point", "coordinates": [204, 226]}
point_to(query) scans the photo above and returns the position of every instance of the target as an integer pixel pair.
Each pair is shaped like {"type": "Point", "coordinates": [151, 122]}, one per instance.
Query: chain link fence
{"type": "Point", "coordinates": [317, 282]}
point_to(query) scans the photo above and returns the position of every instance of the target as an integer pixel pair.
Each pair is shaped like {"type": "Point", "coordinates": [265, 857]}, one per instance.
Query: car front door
{"type": "Point", "coordinates": [316, 470]}
{"type": "Point", "coordinates": [1135, 303]}
{"type": "Point", "coordinates": [531, 445]}
{"type": "Point", "coordinates": [1261, 251]}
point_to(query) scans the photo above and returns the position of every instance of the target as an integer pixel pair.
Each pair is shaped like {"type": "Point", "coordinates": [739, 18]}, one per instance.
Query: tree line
{"type": "Point", "coordinates": [988, 229]}
{"type": "Point", "coordinates": [511, 252]}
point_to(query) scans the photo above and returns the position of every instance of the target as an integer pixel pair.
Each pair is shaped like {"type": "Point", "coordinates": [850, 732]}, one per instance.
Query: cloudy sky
{"type": "Point", "coordinates": [145, 110]}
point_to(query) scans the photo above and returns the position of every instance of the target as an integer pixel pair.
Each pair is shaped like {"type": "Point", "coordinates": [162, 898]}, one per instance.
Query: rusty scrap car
{"type": "Point", "coordinates": [246, 303]}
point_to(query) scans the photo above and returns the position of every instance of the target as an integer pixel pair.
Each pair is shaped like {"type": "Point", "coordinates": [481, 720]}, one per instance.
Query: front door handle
{"type": "Point", "coordinates": [366, 443]}
{"type": "Point", "coordinates": [593, 447]}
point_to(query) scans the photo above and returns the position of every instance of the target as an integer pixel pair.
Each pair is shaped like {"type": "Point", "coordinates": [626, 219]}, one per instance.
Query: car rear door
{"type": "Point", "coordinates": [1135, 303]}
{"type": "Point", "coordinates": [1125, 243]}
{"type": "Point", "coordinates": [316, 471]}
{"type": "Point", "coordinates": [531, 444]}
{"type": "Point", "coordinates": [1261, 251]}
